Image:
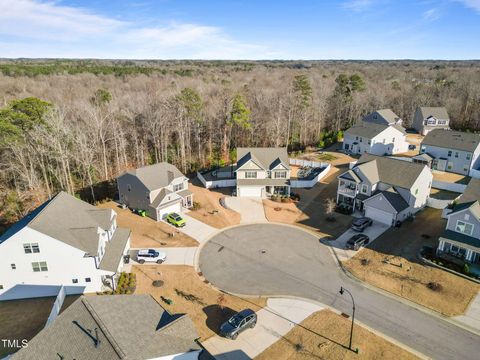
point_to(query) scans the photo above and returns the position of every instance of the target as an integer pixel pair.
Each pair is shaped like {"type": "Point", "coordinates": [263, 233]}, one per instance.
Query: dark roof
{"type": "Point", "coordinates": [370, 130]}
{"type": "Point", "coordinates": [471, 193]}
{"type": "Point", "coordinates": [423, 157]}
{"type": "Point", "coordinates": [114, 249]}
{"type": "Point", "coordinates": [156, 176]}
{"type": "Point", "coordinates": [449, 139]}
{"type": "Point", "coordinates": [439, 113]}
{"type": "Point", "coordinates": [382, 116]}
{"type": "Point", "coordinates": [350, 175]}
{"type": "Point", "coordinates": [267, 158]}
{"type": "Point", "coordinates": [128, 326]}
{"type": "Point", "coordinates": [395, 199]}
{"type": "Point", "coordinates": [462, 238]}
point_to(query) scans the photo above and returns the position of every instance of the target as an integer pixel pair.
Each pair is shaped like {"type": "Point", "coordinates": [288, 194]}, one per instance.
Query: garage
{"type": "Point", "coordinates": [164, 211]}
{"type": "Point", "coordinates": [379, 215]}
{"type": "Point", "coordinates": [250, 191]}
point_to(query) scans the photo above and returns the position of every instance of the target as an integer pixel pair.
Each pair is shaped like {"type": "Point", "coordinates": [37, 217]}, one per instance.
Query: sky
{"type": "Point", "coordinates": [240, 29]}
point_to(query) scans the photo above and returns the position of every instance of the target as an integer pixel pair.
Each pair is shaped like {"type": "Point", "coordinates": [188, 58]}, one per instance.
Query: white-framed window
{"type": "Point", "coordinates": [178, 187]}
{"type": "Point", "coordinates": [250, 174]}
{"type": "Point", "coordinates": [280, 174]}
{"type": "Point", "coordinates": [88, 280]}
{"type": "Point", "coordinates": [13, 266]}
{"type": "Point", "coordinates": [423, 149]}
{"type": "Point", "coordinates": [369, 142]}
{"type": "Point", "coordinates": [442, 122]}
{"type": "Point", "coordinates": [39, 266]}
{"type": "Point", "coordinates": [75, 281]}
{"type": "Point", "coordinates": [431, 121]}
{"type": "Point", "coordinates": [30, 248]}
{"type": "Point", "coordinates": [469, 156]}
{"type": "Point", "coordinates": [456, 154]}
{"type": "Point", "coordinates": [393, 140]}
{"type": "Point", "coordinates": [449, 153]}
{"type": "Point", "coordinates": [464, 227]}
{"type": "Point", "coordinates": [364, 189]}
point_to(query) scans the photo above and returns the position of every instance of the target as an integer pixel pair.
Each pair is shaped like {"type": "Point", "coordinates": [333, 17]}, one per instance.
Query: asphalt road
{"type": "Point", "coordinates": [272, 259]}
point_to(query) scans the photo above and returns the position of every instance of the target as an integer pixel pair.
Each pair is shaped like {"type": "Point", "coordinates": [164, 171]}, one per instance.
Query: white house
{"type": "Point", "coordinates": [66, 242]}
{"type": "Point", "coordinates": [376, 139]}
{"type": "Point", "coordinates": [385, 189]}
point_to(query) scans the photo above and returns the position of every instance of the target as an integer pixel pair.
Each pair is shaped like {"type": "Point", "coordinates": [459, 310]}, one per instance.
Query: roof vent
{"type": "Point", "coordinates": [170, 176]}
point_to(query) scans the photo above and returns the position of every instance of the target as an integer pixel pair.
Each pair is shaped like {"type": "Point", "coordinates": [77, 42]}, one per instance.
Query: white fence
{"type": "Point", "coordinates": [475, 173]}
{"type": "Point", "coordinates": [57, 305]}
{"type": "Point", "coordinates": [438, 203]}
{"type": "Point", "coordinates": [312, 182]}
{"type": "Point", "coordinates": [216, 183]}
{"type": "Point", "coordinates": [443, 185]}
{"type": "Point", "coordinates": [302, 162]}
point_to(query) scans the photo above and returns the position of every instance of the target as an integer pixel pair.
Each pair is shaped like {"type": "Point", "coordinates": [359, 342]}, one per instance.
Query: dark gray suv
{"type": "Point", "coordinates": [245, 319]}
{"type": "Point", "coordinates": [361, 223]}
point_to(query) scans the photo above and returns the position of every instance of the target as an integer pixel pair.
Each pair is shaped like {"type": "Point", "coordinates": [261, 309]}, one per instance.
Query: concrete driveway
{"type": "Point", "coordinates": [340, 243]}
{"type": "Point", "coordinates": [268, 259]}
{"type": "Point", "coordinates": [251, 209]}
{"type": "Point", "coordinates": [196, 229]}
{"type": "Point", "coordinates": [273, 322]}
{"type": "Point", "coordinates": [175, 255]}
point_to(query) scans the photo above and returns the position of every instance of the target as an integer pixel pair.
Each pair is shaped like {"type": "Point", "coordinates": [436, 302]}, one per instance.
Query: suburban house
{"type": "Point", "coordinates": [385, 189]}
{"type": "Point", "coordinates": [377, 139]}
{"type": "Point", "coordinates": [159, 189]}
{"type": "Point", "coordinates": [461, 237]}
{"type": "Point", "coordinates": [261, 172]}
{"type": "Point", "coordinates": [452, 151]}
{"type": "Point", "coordinates": [115, 327]}
{"type": "Point", "coordinates": [427, 119]}
{"type": "Point", "coordinates": [64, 242]}
{"type": "Point", "coordinates": [383, 117]}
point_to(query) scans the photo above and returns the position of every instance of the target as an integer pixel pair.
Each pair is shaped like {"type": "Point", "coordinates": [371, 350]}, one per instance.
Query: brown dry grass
{"type": "Point", "coordinates": [211, 212]}
{"type": "Point", "coordinates": [147, 232]}
{"type": "Point", "coordinates": [324, 335]}
{"type": "Point", "coordinates": [410, 281]}
{"type": "Point", "coordinates": [204, 309]}
{"type": "Point", "coordinates": [287, 214]}
{"type": "Point", "coordinates": [337, 158]}
{"type": "Point", "coordinates": [450, 177]}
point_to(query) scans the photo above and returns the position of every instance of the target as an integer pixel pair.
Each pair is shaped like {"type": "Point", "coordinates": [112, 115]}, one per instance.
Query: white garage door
{"type": "Point", "coordinates": [250, 191]}
{"type": "Point", "coordinates": [378, 215]}
{"type": "Point", "coordinates": [162, 213]}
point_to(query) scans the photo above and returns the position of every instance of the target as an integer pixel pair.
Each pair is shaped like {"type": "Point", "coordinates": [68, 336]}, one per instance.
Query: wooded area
{"type": "Point", "coordinates": [73, 124]}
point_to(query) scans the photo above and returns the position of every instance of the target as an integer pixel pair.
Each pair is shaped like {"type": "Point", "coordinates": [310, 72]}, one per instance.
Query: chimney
{"type": "Point", "coordinates": [170, 176]}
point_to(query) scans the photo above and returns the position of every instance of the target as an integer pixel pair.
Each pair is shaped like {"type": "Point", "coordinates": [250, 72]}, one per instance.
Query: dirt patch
{"type": "Point", "coordinates": [325, 335]}
{"type": "Point", "coordinates": [147, 232]}
{"type": "Point", "coordinates": [207, 307]}
{"type": "Point", "coordinates": [211, 212]}
{"type": "Point", "coordinates": [450, 177]}
{"type": "Point", "coordinates": [330, 155]}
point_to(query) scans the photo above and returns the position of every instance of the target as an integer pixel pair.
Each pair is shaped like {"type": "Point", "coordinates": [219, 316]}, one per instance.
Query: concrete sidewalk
{"type": "Point", "coordinates": [471, 318]}
{"type": "Point", "coordinates": [251, 209]}
{"type": "Point", "coordinates": [277, 319]}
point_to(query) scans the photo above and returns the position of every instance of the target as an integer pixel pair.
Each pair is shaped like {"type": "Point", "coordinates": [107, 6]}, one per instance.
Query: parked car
{"type": "Point", "coordinates": [357, 241]}
{"type": "Point", "coordinates": [361, 223]}
{"type": "Point", "coordinates": [151, 255]}
{"type": "Point", "coordinates": [176, 220]}
{"type": "Point", "coordinates": [245, 319]}
{"type": "Point", "coordinates": [412, 147]}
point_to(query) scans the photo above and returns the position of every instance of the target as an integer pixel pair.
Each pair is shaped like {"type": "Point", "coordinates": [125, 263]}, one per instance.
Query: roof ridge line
{"type": "Point", "coordinates": [51, 200]}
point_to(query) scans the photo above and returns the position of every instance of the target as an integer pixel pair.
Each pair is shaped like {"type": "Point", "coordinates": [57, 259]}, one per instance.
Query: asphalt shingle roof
{"type": "Point", "coordinates": [382, 116]}
{"type": "Point", "coordinates": [267, 158]}
{"type": "Point", "coordinates": [370, 130]}
{"type": "Point", "coordinates": [462, 238]}
{"type": "Point", "coordinates": [156, 176]}
{"type": "Point", "coordinates": [439, 113]}
{"type": "Point", "coordinates": [450, 139]}
{"type": "Point", "coordinates": [114, 249]}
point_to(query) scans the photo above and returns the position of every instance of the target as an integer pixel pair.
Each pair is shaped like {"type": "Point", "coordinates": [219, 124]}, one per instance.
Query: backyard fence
{"type": "Point", "coordinates": [216, 183]}
{"type": "Point", "coordinates": [57, 305]}
{"type": "Point", "coordinates": [310, 183]}
{"type": "Point", "coordinates": [302, 162]}
{"type": "Point", "coordinates": [443, 185]}
{"type": "Point", "coordinates": [438, 203]}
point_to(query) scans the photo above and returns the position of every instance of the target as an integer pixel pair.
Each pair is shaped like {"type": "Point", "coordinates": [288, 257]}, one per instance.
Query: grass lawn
{"type": "Point", "coordinates": [207, 307]}
{"type": "Point", "coordinates": [325, 335]}
{"type": "Point", "coordinates": [23, 319]}
{"type": "Point", "coordinates": [211, 212]}
{"type": "Point", "coordinates": [147, 232]}
{"type": "Point", "coordinates": [400, 247]}
{"type": "Point", "coordinates": [327, 157]}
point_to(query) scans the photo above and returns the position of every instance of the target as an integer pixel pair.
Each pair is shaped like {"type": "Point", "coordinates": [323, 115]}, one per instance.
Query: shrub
{"type": "Point", "coordinates": [285, 200]}
{"type": "Point", "coordinates": [466, 269]}
{"type": "Point", "coordinates": [196, 205]}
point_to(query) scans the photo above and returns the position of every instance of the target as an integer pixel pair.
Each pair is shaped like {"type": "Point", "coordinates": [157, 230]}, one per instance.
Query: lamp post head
{"type": "Point", "coordinates": [341, 290]}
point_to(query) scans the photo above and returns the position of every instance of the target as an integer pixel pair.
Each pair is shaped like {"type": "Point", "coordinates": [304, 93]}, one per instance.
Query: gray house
{"type": "Point", "coordinates": [461, 237]}
{"type": "Point", "coordinates": [427, 119]}
{"type": "Point", "coordinates": [452, 151]}
{"type": "Point", "coordinates": [385, 189]}
{"type": "Point", "coordinates": [383, 117]}
{"type": "Point", "coordinates": [159, 189]}
{"type": "Point", "coordinates": [131, 327]}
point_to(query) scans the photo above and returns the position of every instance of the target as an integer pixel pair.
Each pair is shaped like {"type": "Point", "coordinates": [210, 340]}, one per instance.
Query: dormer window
{"type": "Point", "coordinates": [178, 187]}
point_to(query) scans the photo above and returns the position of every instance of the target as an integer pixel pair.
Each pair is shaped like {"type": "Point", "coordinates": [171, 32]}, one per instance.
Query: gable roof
{"type": "Point", "coordinates": [350, 175]}
{"type": "Point", "coordinates": [395, 199]}
{"type": "Point", "coordinates": [156, 176]}
{"type": "Point", "coordinates": [165, 194]}
{"type": "Point", "coordinates": [69, 220]}
{"type": "Point", "coordinates": [122, 335]}
{"type": "Point", "coordinates": [383, 116]}
{"type": "Point", "coordinates": [388, 170]}
{"type": "Point", "coordinates": [267, 158]}
{"type": "Point", "coordinates": [450, 139]}
{"type": "Point", "coordinates": [437, 112]}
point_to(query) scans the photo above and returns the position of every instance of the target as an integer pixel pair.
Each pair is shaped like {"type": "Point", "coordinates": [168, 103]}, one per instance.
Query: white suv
{"type": "Point", "coordinates": [151, 255]}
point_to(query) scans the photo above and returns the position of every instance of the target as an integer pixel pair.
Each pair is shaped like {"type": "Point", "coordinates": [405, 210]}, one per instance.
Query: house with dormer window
{"type": "Point", "coordinates": [64, 242]}
{"type": "Point", "coordinates": [427, 119]}
{"type": "Point", "coordinates": [262, 172]}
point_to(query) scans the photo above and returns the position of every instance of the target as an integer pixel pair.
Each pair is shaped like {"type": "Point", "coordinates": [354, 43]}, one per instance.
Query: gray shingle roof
{"type": "Point", "coordinates": [382, 116]}
{"type": "Point", "coordinates": [472, 192]}
{"type": "Point", "coordinates": [439, 113]}
{"type": "Point", "coordinates": [461, 238]}
{"type": "Point", "coordinates": [114, 249]}
{"type": "Point", "coordinates": [395, 199]}
{"type": "Point", "coordinates": [129, 327]}
{"type": "Point", "coordinates": [350, 175]}
{"type": "Point", "coordinates": [162, 195]}
{"type": "Point", "coordinates": [267, 158]}
{"type": "Point", "coordinates": [156, 176]}
{"type": "Point", "coordinates": [370, 129]}
{"type": "Point", "coordinates": [449, 139]}
{"type": "Point", "coordinates": [391, 171]}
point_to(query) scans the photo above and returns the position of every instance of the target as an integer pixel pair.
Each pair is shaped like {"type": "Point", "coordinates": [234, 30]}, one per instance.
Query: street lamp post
{"type": "Point", "coordinates": [342, 290]}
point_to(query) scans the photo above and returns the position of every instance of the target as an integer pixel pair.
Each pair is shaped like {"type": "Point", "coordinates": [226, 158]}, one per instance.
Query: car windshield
{"type": "Point", "coordinates": [178, 218]}
{"type": "Point", "coordinates": [235, 320]}
{"type": "Point", "coordinates": [174, 215]}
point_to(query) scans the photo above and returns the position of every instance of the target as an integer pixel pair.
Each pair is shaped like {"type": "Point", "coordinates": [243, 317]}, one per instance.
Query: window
{"type": "Point", "coordinates": [467, 217]}
{"type": "Point", "coordinates": [1, 287]}
{"type": "Point", "coordinates": [129, 187]}
{"type": "Point", "coordinates": [75, 281]}
{"type": "Point", "coordinates": [31, 248]}
{"type": "Point", "coordinates": [250, 174]}
{"type": "Point", "coordinates": [431, 121]}
{"type": "Point", "coordinates": [449, 153]}
{"type": "Point", "coordinates": [39, 266]}
{"type": "Point", "coordinates": [364, 189]}
{"type": "Point", "coordinates": [423, 149]}
{"type": "Point", "coordinates": [280, 174]}
{"type": "Point", "coordinates": [369, 142]}
{"type": "Point", "coordinates": [393, 140]}
{"type": "Point", "coordinates": [13, 266]}
{"type": "Point", "coordinates": [469, 156]}
{"type": "Point", "coordinates": [456, 154]}
{"type": "Point", "coordinates": [88, 280]}
{"type": "Point", "coordinates": [464, 227]}
{"type": "Point", "coordinates": [178, 187]}
{"type": "Point", "coordinates": [35, 248]}
{"type": "Point", "coordinates": [356, 137]}
{"type": "Point", "coordinates": [442, 122]}
{"type": "Point", "coordinates": [360, 139]}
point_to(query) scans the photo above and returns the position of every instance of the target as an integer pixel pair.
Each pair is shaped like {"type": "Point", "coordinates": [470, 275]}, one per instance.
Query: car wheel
{"type": "Point", "coordinates": [141, 261]}
{"type": "Point", "coordinates": [159, 261]}
{"type": "Point", "coordinates": [234, 336]}
{"type": "Point", "coordinates": [253, 325]}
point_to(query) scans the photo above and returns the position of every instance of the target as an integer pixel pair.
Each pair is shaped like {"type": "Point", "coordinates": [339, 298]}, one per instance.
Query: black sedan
{"type": "Point", "coordinates": [357, 241]}
{"type": "Point", "coordinates": [245, 319]}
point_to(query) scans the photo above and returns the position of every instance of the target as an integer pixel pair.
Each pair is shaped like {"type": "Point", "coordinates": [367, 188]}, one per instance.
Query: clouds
{"type": "Point", "coordinates": [34, 28]}
{"type": "Point", "coordinates": [473, 4]}
{"type": "Point", "coordinates": [358, 5]}
{"type": "Point", "coordinates": [432, 14]}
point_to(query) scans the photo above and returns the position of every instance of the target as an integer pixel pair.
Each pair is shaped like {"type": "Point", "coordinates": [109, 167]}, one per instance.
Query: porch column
{"type": "Point", "coordinates": [468, 255]}
{"type": "Point", "coordinates": [440, 245]}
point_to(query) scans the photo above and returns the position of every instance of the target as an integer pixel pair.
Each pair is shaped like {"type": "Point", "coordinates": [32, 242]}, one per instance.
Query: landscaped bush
{"type": "Point", "coordinates": [127, 283]}
{"type": "Point", "coordinates": [196, 205]}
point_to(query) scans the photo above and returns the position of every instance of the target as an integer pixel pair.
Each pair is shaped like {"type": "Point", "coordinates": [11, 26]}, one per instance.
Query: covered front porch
{"type": "Point", "coordinates": [277, 190]}
{"type": "Point", "coordinates": [187, 198]}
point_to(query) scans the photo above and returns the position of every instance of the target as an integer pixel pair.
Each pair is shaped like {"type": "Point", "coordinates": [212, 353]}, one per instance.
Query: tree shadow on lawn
{"type": "Point", "coordinates": [216, 316]}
